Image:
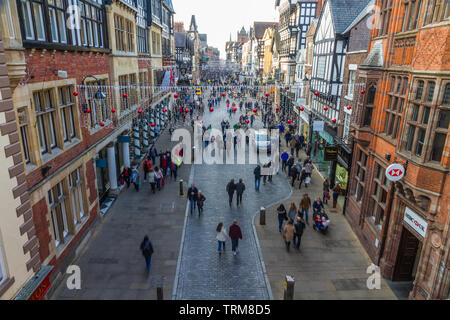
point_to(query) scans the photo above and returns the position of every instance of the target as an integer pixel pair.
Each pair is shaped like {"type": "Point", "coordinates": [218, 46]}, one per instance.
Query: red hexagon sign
{"type": "Point", "coordinates": [395, 172]}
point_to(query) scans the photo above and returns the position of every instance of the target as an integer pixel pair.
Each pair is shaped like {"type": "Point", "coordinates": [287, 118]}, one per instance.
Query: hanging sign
{"type": "Point", "coordinates": [318, 125]}
{"type": "Point", "coordinates": [395, 172]}
{"type": "Point", "coordinates": [330, 153]}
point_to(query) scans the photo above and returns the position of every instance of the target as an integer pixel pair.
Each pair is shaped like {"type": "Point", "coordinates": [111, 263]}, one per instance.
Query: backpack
{"type": "Point", "coordinates": [148, 250]}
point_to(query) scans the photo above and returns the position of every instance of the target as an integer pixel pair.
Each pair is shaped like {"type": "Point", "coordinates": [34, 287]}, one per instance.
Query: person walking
{"type": "Point", "coordinates": [336, 192]}
{"type": "Point", "coordinates": [231, 188]}
{"type": "Point", "coordinates": [159, 177]}
{"type": "Point", "coordinates": [146, 166]}
{"type": "Point", "coordinates": [292, 212]}
{"type": "Point", "coordinates": [257, 173]}
{"type": "Point", "coordinates": [282, 216]}
{"type": "Point", "coordinates": [235, 234]}
{"type": "Point", "coordinates": [293, 174]}
{"type": "Point", "coordinates": [153, 153]}
{"type": "Point", "coordinates": [240, 188]}
{"type": "Point", "coordinates": [200, 201]}
{"type": "Point", "coordinates": [152, 179]}
{"type": "Point", "coordinates": [292, 144]}
{"type": "Point", "coordinates": [221, 236]}
{"type": "Point", "coordinates": [126, 173]}
{"type": "Point", "coordinates": [303, 176]}
{"type": "Point", "coordinates": [192, 194]}
{"type": "Point", "coordinates": [288, 234]}
{"type": "Point", "coordinates": [284, 159]}
{"type": "Point", "coordinates": [290, 163]}
{"type": "Point", "coordinates": [299, 226]}
{"type": "Point", "coordinates": [326, 191]}
{"type": "Point", "coordinates": [318, 205]}
{"type": "Point", "coordinates": [298, 146]}
{"type": "Point", "coordinates": [305, 204]}
{"type": "Point", "coordinates": [147, 251]}
{"type": "Point", "coordinates": [135, 179]}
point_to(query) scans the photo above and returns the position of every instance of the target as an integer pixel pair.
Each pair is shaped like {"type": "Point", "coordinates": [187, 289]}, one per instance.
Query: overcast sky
{"type": "Point", "coordinates": [218, 18]}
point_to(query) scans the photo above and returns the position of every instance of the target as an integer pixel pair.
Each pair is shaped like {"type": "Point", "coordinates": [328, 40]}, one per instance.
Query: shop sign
{"type": "Point", "coordinates": [100, 163]}
{"type": "Point", "coordinates": [37, 286]}
{"type": "Point", "coordinates": [415, 222]}
{"type": "Point", "coordinates": [124, 139]}
{"type": "Point", "coordinates": [318, 125]}
{"type": "Point", "coordinates": [330, 153]}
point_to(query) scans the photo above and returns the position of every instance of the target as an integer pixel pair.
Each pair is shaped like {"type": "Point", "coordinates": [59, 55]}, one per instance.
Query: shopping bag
{"type": "Point", "coordinates": [308, 180]}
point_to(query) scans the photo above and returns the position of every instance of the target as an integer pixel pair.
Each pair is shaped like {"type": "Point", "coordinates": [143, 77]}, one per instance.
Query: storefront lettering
{"type": "Point", "coordinates": [417, 223]}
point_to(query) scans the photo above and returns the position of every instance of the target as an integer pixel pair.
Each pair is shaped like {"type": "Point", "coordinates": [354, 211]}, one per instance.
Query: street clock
{"type": "Point", "coordinates": [192, 36]}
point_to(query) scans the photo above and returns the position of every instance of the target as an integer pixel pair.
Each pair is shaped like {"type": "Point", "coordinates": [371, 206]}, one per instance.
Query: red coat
{"type": "Point", "coordinates": [235, 232]}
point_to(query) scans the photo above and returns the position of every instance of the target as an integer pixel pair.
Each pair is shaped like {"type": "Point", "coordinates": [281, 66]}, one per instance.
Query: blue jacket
{"type": "Point", "coordinates": [284, 156]}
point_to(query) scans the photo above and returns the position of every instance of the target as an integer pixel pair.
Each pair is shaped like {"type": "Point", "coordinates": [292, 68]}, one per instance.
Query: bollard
{"type": "Point", "coordinates": [289, 283]}
{"type": "Point", "coordinates": [181, 188]}
{"type": "Point", "coordinates": [159, 294]}
{"type": "Point", "coordinates": [262, 216]}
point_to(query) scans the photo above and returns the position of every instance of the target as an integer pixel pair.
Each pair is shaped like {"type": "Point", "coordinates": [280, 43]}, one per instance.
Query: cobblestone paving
{"type": "Point", "coordinates": [203, 273]}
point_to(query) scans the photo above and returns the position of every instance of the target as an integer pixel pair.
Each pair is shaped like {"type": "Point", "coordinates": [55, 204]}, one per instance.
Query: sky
{"type": "Point", "coordinates": [218, 18]}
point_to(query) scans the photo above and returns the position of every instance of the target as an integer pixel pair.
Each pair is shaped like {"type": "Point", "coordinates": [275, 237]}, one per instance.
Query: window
{"type": "Point", "coordinates": [395, 106]}
{"type": "Point", "coordinates": [45, 20]}
{"type": "Point", "coordinates": [426, 138]}
{"type": "Point", "coordinates": [24, 133]}
{"type": "Point", "coordinates": [351, 83]}
{"type": "Point", "coordinates": [76, 196]}
{"type": "Point", "coordinates": [144, 85]}
{"type": "Point", "coordinates": [379, 195]}
{"type": "Point", "coordinates": [60, 227]}
{"type": "Point", "coordinates": [67, 107]}
{"type": "Point", "coordinates": [360, 176]}
{"type": "Point", "coordinates": [124, 89]}
{"type": "Point", "coordinates": [99, 107]}
{"type": "Point", "coordinates": [385, 16]}
{"type": "Point", "coordinates": [142, 35]}
{"type": "Point", "coordinates": [45, 117]}
{"type": "Point", "coordinates": [411, 14]}
{"type": "Point", "coordinates": [437, 11]}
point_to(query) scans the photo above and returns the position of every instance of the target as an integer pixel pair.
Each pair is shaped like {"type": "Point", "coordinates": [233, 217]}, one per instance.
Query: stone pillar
{"type": "Point", "coordinates": [126, 154]}
{"type": "Point", "coordinates": [112, 171]}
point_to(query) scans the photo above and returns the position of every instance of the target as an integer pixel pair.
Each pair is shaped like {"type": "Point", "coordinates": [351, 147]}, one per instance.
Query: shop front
{"type": "Point", "coordinates": [320, 141]}
{"type": "Point", "coordinates": [343, 163]}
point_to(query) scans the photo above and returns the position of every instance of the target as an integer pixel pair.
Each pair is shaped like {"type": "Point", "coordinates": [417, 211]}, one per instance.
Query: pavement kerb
{"type": "Point", "coordinates": [180, 251]}
{"type": "Point", "coordinates": [258, 246]}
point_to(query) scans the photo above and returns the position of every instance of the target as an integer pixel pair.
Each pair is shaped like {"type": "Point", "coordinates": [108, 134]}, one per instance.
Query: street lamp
{"type": "Point", "coordinates": [99, 95]}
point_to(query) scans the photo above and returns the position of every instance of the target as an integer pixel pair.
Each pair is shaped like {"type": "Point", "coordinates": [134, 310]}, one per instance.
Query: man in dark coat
{"type": "Point", "coordinates": [231, 187]}
{"type": "Point", "coordinates": [235, 234]}
{"type": "Point", "coordinates": [147, 251]}
{"type": "Point", "coordinates": [192, 196]}
{"type": "Point", "coordinates": [299, 226]}
{"type": "Point", "coordinates": [240, 188]}
{"type": "Point", "coordinates": [257, 173]}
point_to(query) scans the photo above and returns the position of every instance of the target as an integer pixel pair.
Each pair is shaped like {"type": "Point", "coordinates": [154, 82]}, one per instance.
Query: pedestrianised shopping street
{"type": "Point", "coordinates": [290, 150]}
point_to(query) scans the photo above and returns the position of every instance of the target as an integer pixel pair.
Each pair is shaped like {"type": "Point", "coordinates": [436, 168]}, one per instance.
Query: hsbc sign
{"type": "Point", "coordinates": [395, 172]}
{"type": "Point", "coordinates": [415, 222]}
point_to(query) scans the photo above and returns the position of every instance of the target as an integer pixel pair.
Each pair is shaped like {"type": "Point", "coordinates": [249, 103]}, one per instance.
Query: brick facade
{"type": "Point", "coordinates": [378, 217]}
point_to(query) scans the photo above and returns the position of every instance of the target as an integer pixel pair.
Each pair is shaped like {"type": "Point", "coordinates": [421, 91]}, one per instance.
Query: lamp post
{"type": "Point", "coordinates": [99, 95]}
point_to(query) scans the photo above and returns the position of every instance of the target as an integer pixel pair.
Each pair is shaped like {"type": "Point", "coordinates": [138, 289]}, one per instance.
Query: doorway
{"type": "Point", "coordinates": [408, 257]}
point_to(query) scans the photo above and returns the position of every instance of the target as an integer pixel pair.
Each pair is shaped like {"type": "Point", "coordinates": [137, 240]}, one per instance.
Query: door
{"type": "Point", "coordinates": [407, 253]}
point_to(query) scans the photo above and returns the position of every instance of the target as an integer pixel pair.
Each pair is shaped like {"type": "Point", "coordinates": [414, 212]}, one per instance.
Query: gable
{"type": "Point", "coordinates": [325, 27]}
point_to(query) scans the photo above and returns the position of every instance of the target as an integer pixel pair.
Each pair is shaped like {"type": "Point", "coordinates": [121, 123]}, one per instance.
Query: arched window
{"type": "Point", "coordinates": [371, 95]}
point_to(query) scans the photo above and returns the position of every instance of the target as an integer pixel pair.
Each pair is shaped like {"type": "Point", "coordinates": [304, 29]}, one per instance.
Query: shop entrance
{"type": "Point", "coordinates": [408, 257]}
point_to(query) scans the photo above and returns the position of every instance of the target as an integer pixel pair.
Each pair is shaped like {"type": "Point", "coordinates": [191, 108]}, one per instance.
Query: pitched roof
{"type": "Point", "coordinates": [375, 57]}
{"type": "Point", "coordinates": [260, 28]}
{"type": "Point", "coordinates": [180, 40]}
{"type": "Point", "coordinates": [369, 7]}
{"type": "Point", "coordinates": [344, 12]}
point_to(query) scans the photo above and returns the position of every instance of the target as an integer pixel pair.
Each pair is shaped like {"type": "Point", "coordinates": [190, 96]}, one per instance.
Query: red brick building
{"type": "Point", "coordinates": [404, 117]}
